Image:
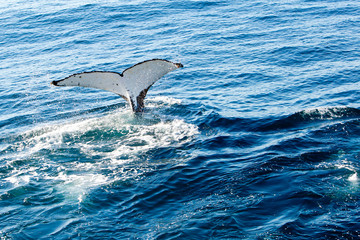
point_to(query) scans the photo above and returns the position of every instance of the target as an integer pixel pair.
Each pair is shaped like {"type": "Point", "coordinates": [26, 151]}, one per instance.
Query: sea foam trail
{"type": "Point", "coordinates": [82, 155]}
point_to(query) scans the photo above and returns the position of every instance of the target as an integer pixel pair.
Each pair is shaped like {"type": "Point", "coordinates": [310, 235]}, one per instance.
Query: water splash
{"type": "Point", "coordinates": [82, 155]}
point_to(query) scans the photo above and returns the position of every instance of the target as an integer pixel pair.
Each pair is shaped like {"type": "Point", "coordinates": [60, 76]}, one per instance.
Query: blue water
{"type": "Point", "coordinates": [257, 137]}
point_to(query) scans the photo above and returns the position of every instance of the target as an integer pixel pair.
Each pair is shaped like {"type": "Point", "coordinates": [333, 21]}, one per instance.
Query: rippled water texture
{"type": "Point", "coordinates": [257, 137]}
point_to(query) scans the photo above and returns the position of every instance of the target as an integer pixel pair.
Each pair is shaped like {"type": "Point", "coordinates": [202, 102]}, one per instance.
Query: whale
{"type": "Point", "coordinates": [132, 84]}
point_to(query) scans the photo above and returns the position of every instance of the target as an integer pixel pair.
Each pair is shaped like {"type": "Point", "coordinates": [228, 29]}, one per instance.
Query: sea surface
{"type": "Point", "coordinates": [257, 137]}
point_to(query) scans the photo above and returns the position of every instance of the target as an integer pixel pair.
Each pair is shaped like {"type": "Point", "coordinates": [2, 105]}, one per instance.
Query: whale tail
{"type": "Point", "coordinates": [132, 84]}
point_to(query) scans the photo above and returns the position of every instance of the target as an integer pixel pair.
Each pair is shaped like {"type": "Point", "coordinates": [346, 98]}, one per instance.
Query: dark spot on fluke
{"type": "Point", "coordinates": [179, 65]}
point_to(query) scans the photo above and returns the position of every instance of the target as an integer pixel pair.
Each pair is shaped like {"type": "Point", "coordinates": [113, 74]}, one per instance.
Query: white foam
{"type": "Point", "coordinates": [160, 101]}
{"type": "Point", "coordinates": [21, 177]}
{"type": "Point", "coordinates": [102, 147]}
{"type": "Point", "coordinates": [354, 178]}
{"type": "Point", "coordinates": [326, 112]}
{"type": "Point", "coordinates": [77, 186]}
{"type": "Point", "coordinates": [162, 134]}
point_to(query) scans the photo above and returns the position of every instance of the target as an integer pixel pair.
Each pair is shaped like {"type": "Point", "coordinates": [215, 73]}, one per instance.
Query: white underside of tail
{"type": "Point", "coordinates": [132, 84]}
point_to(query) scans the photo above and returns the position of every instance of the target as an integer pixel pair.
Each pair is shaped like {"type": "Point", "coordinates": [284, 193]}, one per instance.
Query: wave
{"type": "Point", "coordinates": [310, 116]}
{"type": "Point", "coordinates": [213, 121]}
{"type": "Point", "coordinates": [326, 113]}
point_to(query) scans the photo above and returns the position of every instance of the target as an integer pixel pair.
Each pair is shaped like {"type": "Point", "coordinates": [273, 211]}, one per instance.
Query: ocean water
{"type": "Point", "coordinates": [257, 137]}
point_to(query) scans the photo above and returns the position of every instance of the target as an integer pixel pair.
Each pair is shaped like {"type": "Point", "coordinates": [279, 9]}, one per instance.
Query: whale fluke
{"type": "Point", "coordinates": [132, 84]}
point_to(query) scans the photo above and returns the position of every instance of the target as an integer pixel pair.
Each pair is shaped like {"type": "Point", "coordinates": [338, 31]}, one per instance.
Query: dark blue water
{"type": "Point", "coordinates": [257, 137]}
